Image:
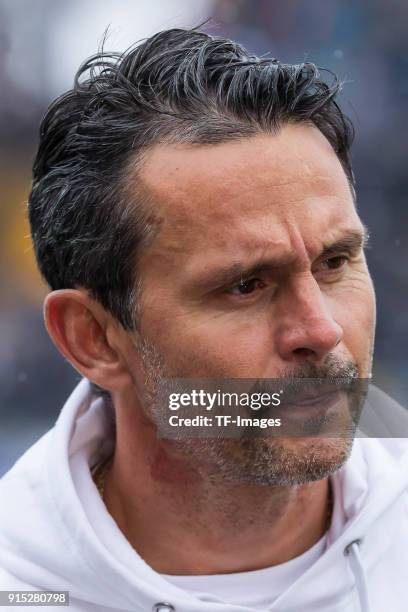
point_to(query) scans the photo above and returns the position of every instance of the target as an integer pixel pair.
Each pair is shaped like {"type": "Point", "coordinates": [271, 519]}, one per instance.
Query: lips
{"type": "Point", "coordinates": [313, 405]}
{"type": "Point", "coordinates": [310, 399]}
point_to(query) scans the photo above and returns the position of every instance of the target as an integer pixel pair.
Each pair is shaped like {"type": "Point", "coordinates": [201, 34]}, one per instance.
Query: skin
{"type": "Point", "coordinates": [282, 200]}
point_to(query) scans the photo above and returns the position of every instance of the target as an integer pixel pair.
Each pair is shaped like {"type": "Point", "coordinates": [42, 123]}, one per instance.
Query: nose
{"type": "Point", "coordinates": [306, 329]}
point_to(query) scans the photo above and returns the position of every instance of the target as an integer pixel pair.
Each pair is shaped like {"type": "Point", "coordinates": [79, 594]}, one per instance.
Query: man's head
{"type": "Point", "coordinates": [195, 205]}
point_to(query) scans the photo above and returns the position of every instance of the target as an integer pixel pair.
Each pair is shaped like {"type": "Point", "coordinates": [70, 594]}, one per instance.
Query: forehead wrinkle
{"type": "Point", "coordinates": [275, 254]}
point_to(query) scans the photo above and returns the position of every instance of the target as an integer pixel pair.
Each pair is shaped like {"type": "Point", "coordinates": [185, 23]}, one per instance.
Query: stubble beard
{"type": "Point", "coordinates": [267, 461]}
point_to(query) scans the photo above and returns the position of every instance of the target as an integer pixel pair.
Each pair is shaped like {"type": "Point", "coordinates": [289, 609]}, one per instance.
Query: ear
{"type": "Point", "coordinates": [88, 336]}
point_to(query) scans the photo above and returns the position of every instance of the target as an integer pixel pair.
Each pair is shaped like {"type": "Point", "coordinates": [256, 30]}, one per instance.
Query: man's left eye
{"type": "Point", "coordinates": [246, 287]}
{"type": "Point", "coordinates": [334, 263]}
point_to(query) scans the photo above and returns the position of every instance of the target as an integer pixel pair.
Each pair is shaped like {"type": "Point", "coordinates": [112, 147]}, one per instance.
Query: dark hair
{"type": "Point", "coordinates": [177, 86]}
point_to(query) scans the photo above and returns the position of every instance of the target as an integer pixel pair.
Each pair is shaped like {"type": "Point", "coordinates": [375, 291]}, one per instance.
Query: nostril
{"type": "Point", "coordinates": [303, 352]}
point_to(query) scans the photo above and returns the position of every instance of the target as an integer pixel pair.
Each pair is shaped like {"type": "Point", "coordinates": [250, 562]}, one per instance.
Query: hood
{"type": "Point", "coordinates": [48, 541]}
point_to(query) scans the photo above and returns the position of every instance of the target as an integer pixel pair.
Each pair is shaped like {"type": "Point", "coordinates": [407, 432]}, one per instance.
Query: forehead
{"type": "Point", "coordinates": [258, 188]}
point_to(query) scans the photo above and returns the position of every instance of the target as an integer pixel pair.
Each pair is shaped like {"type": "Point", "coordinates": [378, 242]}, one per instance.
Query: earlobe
{"type": "Point", "coordinates": [78, 327]}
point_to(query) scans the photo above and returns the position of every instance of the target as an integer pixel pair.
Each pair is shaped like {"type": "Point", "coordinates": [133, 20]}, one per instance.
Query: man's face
{"type": "Point", "coordinates": [257, 270]}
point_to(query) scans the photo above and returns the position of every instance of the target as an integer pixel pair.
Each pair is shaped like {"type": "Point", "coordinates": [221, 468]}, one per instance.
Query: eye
{"type": "Point", "coordinates": [334, 263]}
{"type": "Point", "coordinates": [246, 287]}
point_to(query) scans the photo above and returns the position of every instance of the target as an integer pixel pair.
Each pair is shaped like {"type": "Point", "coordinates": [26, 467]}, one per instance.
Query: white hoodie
{"type": "Point", "coordinates": [49, 541]}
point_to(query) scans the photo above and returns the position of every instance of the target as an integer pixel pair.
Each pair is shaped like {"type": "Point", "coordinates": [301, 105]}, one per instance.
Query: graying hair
{"type": "Point", "coordinates": [88, 226]}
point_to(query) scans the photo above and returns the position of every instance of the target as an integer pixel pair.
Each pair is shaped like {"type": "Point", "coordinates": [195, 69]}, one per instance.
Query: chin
{"type": "Point", "coordinates": [268, 461]}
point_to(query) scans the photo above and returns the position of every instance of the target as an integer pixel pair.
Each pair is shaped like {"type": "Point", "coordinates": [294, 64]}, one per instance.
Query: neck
{"type": "Point", "coordinates": [158, 499]}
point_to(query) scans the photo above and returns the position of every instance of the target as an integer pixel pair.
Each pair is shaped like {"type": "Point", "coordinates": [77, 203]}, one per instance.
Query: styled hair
{"type": "Point", "coordinates": [88, 223]}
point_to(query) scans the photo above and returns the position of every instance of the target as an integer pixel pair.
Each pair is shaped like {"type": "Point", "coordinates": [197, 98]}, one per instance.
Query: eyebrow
{"type": "Point", "coordinates": [351, 243]}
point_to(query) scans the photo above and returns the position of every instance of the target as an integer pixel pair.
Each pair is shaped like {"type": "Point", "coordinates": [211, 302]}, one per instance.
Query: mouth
{"type": "Point", "coordinates": [314, 405]}
{"type": "Point", "coordinates": [311, 401]}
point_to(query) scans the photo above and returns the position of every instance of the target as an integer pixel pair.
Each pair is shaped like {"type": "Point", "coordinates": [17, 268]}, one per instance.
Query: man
{"type": "Point", "coordinates": [193, 211]}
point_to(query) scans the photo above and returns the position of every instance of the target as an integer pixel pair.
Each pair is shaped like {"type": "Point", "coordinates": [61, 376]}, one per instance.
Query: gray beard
{"type": "Point", "coordinates": [254, 461]}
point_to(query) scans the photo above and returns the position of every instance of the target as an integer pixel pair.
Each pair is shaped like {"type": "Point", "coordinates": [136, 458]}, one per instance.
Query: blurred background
{"type": "Point", "coordinates": [42, 44]}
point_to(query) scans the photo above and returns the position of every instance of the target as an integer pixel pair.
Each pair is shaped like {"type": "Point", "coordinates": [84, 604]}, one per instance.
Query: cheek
{"type": "Point", "coordinates": [194, 341]}
{"type": "Point", "coordinates": [354, 310]}
{"type": "Point", "coordinates": [214, 346]}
